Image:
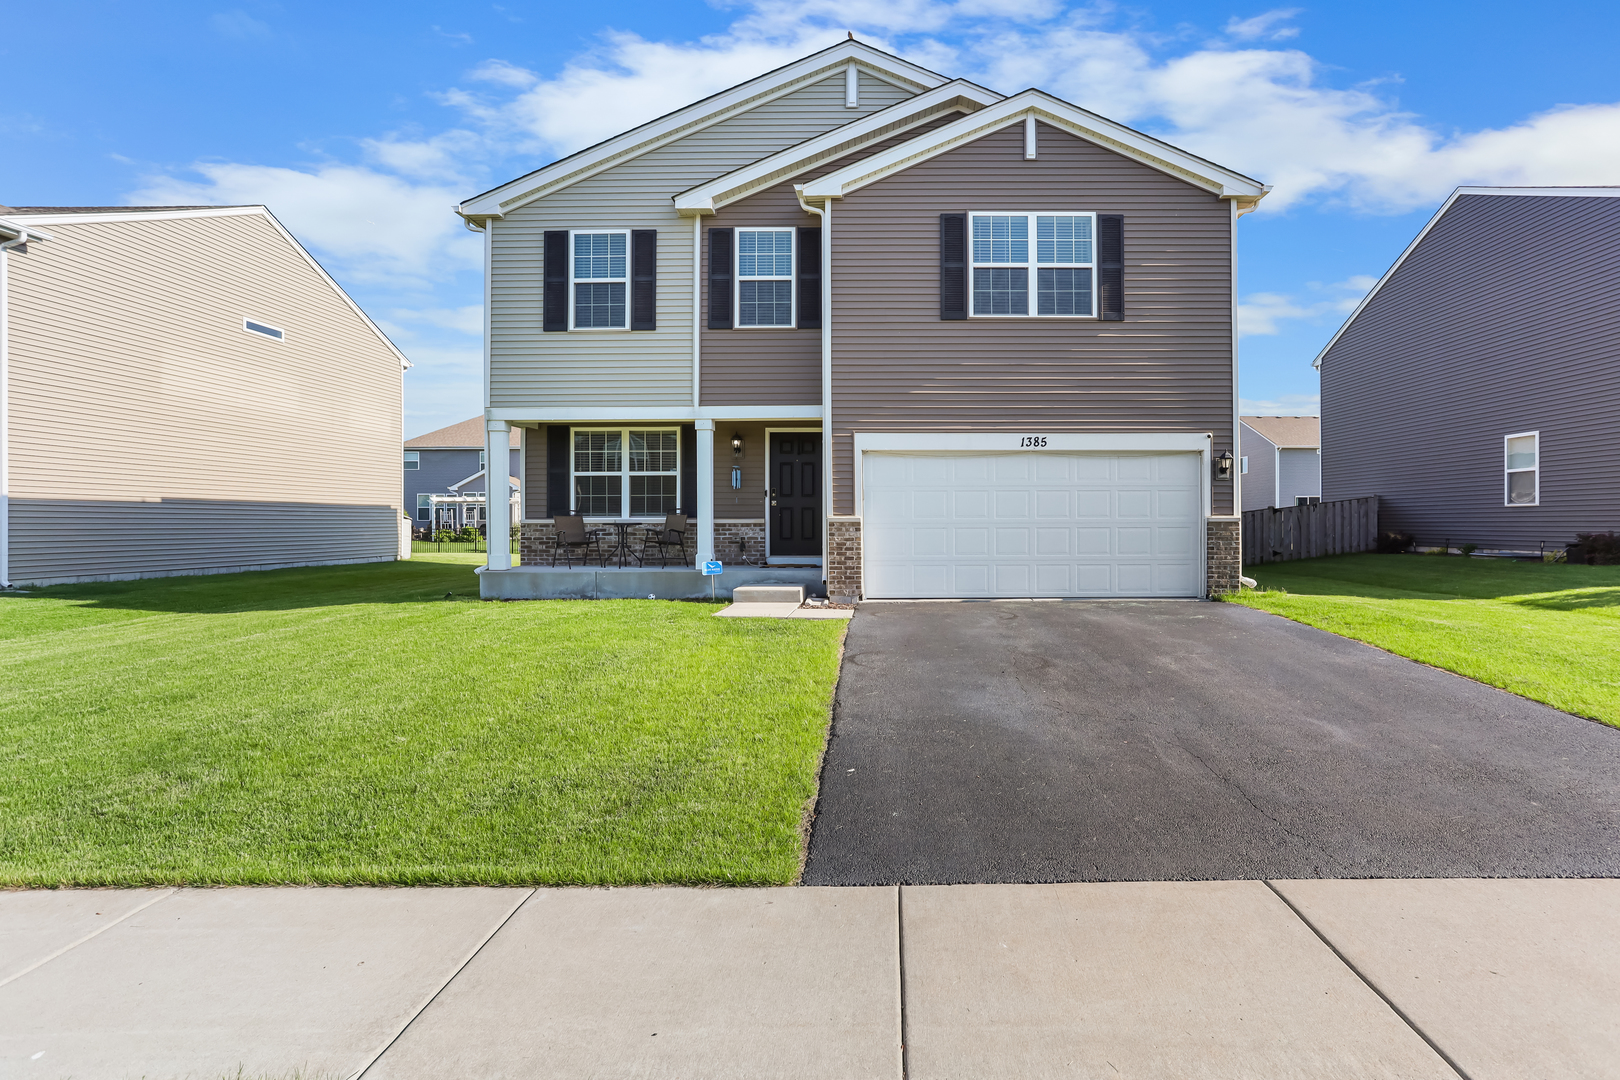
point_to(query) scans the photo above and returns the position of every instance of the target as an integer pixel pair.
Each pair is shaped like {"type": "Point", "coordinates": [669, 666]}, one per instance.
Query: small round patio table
{"type": "Point", "coordinates": [622, 550]}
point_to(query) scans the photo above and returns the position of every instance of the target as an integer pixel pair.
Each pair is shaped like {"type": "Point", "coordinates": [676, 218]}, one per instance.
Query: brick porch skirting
{"type": "Point", "coordinates": [1224, 537]}
{"type": "Point", "coordinates": [844, 559]}
{"type": "Point", "coordinates": [537, 540]}
{"type": "Point", "coordinates": [750, 534]}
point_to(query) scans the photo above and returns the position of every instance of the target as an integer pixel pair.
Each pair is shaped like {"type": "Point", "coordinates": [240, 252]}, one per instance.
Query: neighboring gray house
{"type": "Point", "coordinates": [1281, 460]}
{"type": "Point", "coordinates": [165, 375]}
{"type": "Point", "coordinates": [450, 461]}
{"type": "Point", "coordinates": [912, 336]}
{"type": "Point", "coordinates": [1476, 389]}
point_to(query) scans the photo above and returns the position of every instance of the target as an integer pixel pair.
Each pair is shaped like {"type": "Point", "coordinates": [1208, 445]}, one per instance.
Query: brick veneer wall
{"type": "Point", "coordinates": [1224, 537]}
{"type": "Point", "coordinates": [844, 558]}
{"type": "Point", "coordinates": [536, 539]}
{"type": "Point", "coordinates": [752, 535]}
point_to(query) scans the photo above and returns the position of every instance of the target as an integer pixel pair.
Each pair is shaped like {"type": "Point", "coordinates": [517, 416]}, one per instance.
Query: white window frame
{"type": "Point", "coordinates": [624, 472]}
{"type": "Point", "coordinates": [482, 463]}
{"type": "Point", "coordinates": [1243, 465]}
{"type": "Point", "coordinates": [413, 461]}
{"type": "Point", "coordinates": [1031, 264]}
{"type": "Point", "coordinates": [424, 502]}
{"type": "Point", "coordinates": [1507, 472]}
{"type": "Point", "coordinates": [792, 278]}
{"type": "Point", "coordinates": [279, 337]}
{"type": "Point", "coordinates": [573, 282]}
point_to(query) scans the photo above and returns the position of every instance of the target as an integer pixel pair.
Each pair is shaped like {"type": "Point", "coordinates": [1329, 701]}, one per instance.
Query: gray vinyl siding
{"type": "Point", "coordinates": [899, 367]}
{"type": "Point", "coordinates": [1260, 482]}
{"type": "Point", "coordinates": [530, 368]}
{"type": "Point", "coordinates": [1301, 474]}
{"type": "Point", "coordinates": [441, 468]}
{"type": "Point", "coordinates": [773, 367]}
{"type": "Point", "coordinates": [139, 405]}
{"type": "Point", "coordinates": [1505, 318]}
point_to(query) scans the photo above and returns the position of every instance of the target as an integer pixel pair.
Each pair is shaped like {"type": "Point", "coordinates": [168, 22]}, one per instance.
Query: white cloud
{"type": "Point", "coordinates": [1263, 26]}
{"type": "Point", "coordinates": [1281, 405]}
{"type": "Point", "coordinates": [464, 320]}
{"type": "Point", "coordinates": [1261, 313]}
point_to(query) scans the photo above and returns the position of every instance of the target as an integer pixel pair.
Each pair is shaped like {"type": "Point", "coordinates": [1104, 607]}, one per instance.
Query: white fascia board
{"type": "Point", "coordinates": [1256, 433]}
{"type": "Point", "coordinates": [1582, 192]}
{"type": "Point", "coordinates": [706, 113]}
{"type": "Point", "coordinates": [1060, 114]}
{"type": "Point", "coordinates": [475, 476]}
{"type": "Point", "coordinates": [958, 95]}
{"type": "Point", "coordinates": [1007, 442]}
{"type": "Point", "coordinates": [610, 414]}
{"type": "Point", "coordinates": [10, 230]}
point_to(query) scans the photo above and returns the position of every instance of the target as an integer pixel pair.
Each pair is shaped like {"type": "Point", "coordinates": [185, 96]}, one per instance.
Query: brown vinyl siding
{"type": "Point", "coordinates": [770, 366]}
{"type": "Point", "coordinates": [898, 367]}
{"type": "Point", "coordinates": [137, 399]}
{"type": "Point", "coordinates": [1505, 318]}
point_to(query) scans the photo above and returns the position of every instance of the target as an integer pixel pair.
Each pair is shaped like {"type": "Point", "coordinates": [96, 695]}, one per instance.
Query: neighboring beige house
{"type": "Point", "coordinates": [183, 390]}
{"type": "Point", "coordinates": [1281, 460]}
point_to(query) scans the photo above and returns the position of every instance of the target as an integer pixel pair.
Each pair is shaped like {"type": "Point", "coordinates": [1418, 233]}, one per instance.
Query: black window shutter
{"type": "Point", "coordinates": [643, 279]}
{"type": "Point", "coordinates": [1111, 267]}
{"type": "Point", "coordinates": [557, 470]}
{"type": "Point", "coordinates": [809, 279]}
{"type": "Point", "coordinates": [556, 277]}
{"type": "Point", "coordinates": [688, 499]}
{"type": "Point", "coordinates": [953, 266]}
{"type": "Point", "coordinates": [720, 246]}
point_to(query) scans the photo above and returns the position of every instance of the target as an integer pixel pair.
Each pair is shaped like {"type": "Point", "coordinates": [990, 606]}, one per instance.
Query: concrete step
{"type": "Point", "coordinates": [768, 594]}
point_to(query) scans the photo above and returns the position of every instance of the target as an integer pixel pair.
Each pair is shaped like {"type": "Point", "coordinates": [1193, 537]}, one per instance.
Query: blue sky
{"type": "Point", "coordinates": [361, 124]}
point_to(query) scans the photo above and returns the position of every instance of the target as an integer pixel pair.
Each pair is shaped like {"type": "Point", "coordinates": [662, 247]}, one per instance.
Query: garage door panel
{"type": "Point", "coordinates": [1033, 524]}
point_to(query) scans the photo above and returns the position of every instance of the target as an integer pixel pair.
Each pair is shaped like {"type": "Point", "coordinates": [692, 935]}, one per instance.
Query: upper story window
{"type": "Point", "coordinates": [1060, 250]}
{"type": "Point", "coordinates": [765, 277]}
{"type": "Point", "coordinates": [607, 464]}
{"type": "Point", "coordinates": [274, 333]}
{"type": "Point", "coordinates": [600, 282]}
{"type": "Point", "coordinates": [1522, 485]}
{"type": "Point", "coordinates": [413, 460]}
{"type": "Point", "coordinates": [481, 461]}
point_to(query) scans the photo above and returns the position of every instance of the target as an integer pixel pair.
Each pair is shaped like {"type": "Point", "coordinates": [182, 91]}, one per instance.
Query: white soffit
{"type": "Point", "coordinates": [1586, 192]}
{"type": "Point", "coordinates": [102, 217]}
{"type": "Point", "coordinates": [706, 113]}
{"type": "Point", "coordinates": [958, 95]}
{"type": "Point", "coordinates": [1244, 190]}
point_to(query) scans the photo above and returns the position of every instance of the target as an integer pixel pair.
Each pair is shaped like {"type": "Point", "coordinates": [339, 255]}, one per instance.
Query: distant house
{"type": "Point", "coordinates": [1476, 390]}
{"type": "Point", "coordinates": [1281, 460]}
{"type": "Point", "coordinates": [449, 463]}
{"type": "Point", "coordinates": [189, 393]}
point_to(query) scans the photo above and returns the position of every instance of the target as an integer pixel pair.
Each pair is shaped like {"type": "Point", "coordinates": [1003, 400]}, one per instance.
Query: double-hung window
{"type": "Point", "coordinates": [601, 276]}
{"type": "Point", "coordinates": [1057, 251]}
{"type": "Point", "coordinates": [1522, 484]}
{"type": "Point", "coordinates": [608, 464]}
{"type": "Point", "coordinates": [413, 460]}
{"type": "Point", "coordinates": [424, 507]}
{"type": "Point", "coordinates": [765, 277]}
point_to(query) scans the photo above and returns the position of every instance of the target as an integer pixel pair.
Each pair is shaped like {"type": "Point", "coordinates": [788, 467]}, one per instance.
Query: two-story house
{"type": "Point", "coordinates": [949, 343]}
{"type": "Point", "coordinates": [1280, 460]}
{"type": "Point", "coordinates": [444, 474]}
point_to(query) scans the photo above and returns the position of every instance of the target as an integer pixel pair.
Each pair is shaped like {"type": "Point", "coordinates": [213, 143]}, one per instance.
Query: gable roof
{"type": "Point", "coordinates": [1543, 192]}
{"type": "Point", "coordinates": [1288, 432]}
{"type": "Point", "coordinates": [701, 114]}
{"type": "Point", "coordinates": [77, 215]}
{"type": "Point", "coordinates": [1244, 190]}
{"type": "Point", "coordinates": [956, 96]}
{"type": "Point", "coordinates": [467, 435]}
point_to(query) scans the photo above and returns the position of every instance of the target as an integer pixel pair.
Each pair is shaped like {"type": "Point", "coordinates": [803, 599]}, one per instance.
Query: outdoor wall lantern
{"type": "Point", "coordinates": [736, 444]}
{"type": "Point", "coordinates": [1223, 465]}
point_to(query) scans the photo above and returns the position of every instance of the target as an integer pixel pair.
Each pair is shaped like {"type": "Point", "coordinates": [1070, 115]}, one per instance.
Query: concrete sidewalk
{"type": "Point", "coordinates": [1416, 978]}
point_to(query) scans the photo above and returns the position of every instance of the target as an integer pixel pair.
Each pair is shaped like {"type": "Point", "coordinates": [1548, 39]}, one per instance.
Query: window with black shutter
{"type": "Point", "coordinates": [644, 279]}
{"type": "Point", "coordinates": [953, 266]}
{"type": "Point", "coordinates": [1111, 266]}
{"type": "Point", "coordinates": [809, 283]}
{"type": "Point", "coordinates": [556, 280]}
{"type": "Point", "coordinates": [720, 279]}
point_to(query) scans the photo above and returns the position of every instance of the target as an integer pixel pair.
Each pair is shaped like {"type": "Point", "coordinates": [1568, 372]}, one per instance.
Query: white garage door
{"type": "Point", "coordinates": [1039, 524]}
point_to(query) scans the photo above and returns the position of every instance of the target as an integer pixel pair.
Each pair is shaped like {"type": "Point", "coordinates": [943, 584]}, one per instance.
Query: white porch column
{"type": "Point", "coordinates": [705, 490]}
{"type": "Point", "coordinates": [498, 493]}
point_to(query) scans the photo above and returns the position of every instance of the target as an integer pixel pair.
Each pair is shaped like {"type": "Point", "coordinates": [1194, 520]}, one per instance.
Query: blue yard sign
{"type": "Point", "coordinates": [712, 567]}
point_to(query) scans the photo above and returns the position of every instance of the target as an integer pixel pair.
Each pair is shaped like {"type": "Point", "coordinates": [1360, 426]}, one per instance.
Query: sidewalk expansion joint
{"type": "Point", "coordinates": [900, 950]}
{"type": "Point", "coordinates": [36, 965]}
{"type": "Point", "coordinates": [1366, 981]}
{"type": "Point", "coordinates": [431, 998]}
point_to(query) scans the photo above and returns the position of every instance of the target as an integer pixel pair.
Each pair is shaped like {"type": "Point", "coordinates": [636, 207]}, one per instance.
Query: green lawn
{"type": "Point", "coordinates": [1547, 631]}
{"type": "Point", "coordinates": [357, 725]}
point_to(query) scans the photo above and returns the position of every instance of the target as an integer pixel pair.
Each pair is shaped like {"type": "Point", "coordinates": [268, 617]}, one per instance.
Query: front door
{"type": "Point", "coordinates": [795, 510]}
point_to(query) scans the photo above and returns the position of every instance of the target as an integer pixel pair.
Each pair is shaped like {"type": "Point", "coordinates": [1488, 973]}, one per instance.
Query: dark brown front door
{"type": "Point", "coordinates": [795, 520]}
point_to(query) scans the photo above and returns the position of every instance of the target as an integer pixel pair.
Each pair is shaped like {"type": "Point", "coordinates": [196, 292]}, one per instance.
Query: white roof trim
{"type": "Point", "coordinates": [706, 113]}
{"type": "Point", "coordinates": [958, 95]}
{"type": "Point", "coordinates": [14, 229]}
{"type": "Point", "coordinates": [1087, 125]}
{"type": "Point", "coordinates": [224, 211]}
{"type": "Point", "coordinates": [515, 482]}
{"type": "Point", "coordinates": [1586, 192]}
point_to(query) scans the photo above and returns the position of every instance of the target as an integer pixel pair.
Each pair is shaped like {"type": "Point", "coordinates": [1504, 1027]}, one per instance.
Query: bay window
{"type": "Point", "coordinates": [631, 472]}
{"type": "Point", "coordinates": [1058, 249]}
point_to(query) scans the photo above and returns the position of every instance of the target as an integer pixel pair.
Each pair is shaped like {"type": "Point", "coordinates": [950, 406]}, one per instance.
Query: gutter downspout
{"type": "Point", "coordinates": [825, 214]}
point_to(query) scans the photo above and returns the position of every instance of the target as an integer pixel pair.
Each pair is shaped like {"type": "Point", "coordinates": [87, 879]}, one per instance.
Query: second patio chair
{"type": "Point", "coordinates": [661, 538]}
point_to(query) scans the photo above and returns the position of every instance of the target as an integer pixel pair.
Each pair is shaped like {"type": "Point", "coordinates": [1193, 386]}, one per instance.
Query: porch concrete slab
{"type": "Point", "coordinates": [635, 583]}
{"type": "Point", "coordinates": [653, 983]}
{"type": "Point", "coordinates": [36, 923]}
{"type": "Point", "coordinates": [1148, 979]}
{"type": "Point", "coordinates": [1511, 978]}
{"type": "Point", "coordinates": [267, 980]}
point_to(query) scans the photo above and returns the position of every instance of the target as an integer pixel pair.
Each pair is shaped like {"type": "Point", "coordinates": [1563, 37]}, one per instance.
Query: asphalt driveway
{"type": "Point", "coordinates": [1076, 741]}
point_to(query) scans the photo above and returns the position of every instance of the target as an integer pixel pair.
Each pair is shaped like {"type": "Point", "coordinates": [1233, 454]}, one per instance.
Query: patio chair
{"type": "Point", "coordinates": [571, 536]}
{"type": "Point", "coordinates": [660, 538]}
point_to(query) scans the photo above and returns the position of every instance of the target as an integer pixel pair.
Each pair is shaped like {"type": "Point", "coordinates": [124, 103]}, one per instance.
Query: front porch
{"type": "Point", "coordinates": [632, 583]}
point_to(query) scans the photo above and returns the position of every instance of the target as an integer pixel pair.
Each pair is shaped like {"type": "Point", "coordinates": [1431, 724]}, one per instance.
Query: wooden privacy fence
{"type": "Point", "coordinates": [1277, 534]}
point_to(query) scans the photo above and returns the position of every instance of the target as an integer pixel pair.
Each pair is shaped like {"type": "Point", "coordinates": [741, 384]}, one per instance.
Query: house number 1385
{"type": "Point", "coordinates": [1033, 440]}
